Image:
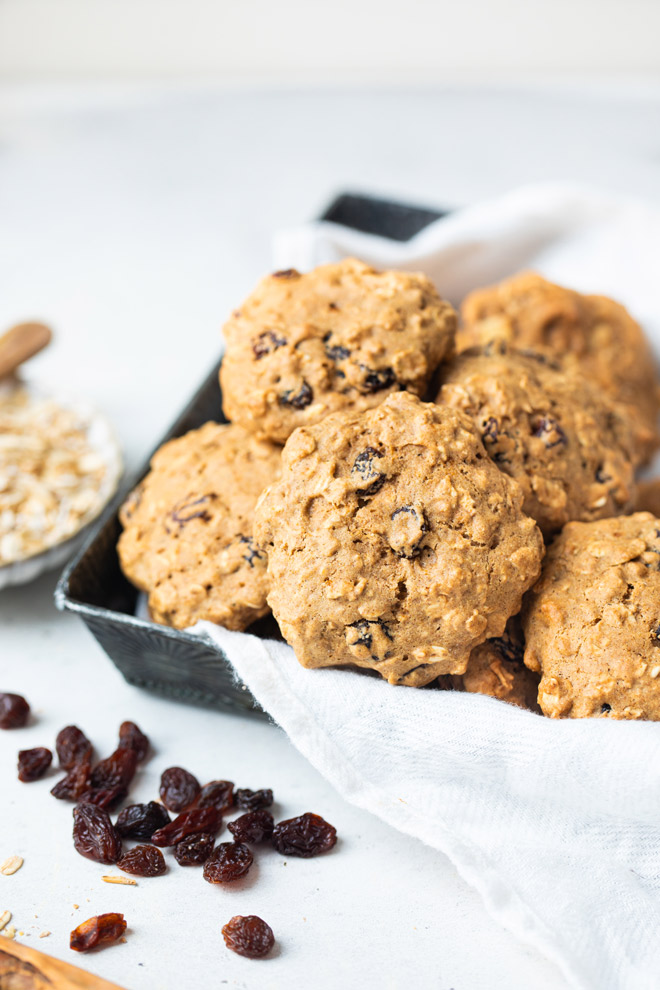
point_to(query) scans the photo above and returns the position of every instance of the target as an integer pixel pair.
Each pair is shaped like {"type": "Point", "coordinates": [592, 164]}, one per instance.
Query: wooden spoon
{"type": "Point", "coordinates": [22, 968]}
{"type": "Point", "coordinates": [20, 343]}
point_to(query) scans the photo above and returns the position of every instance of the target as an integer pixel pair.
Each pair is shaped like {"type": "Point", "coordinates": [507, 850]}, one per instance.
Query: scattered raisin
{"type": "Point", "coordinates": [364, 467]}
{"type": "Point", "coordinates": [75, 784]}
{"type": "Point", "coordinates": [216, 794]}
{"type": "Point", "coordinates": [255, 826]}
{"type": "Point", "coordinates": [508, 649]}
{"type": "Point", "coordinates": [249, 936]}
{"type": "Point", "coordinates": [195, 850]}
{"type": "Point", "coordinates": [601, 477]}
{"type": "Point", "coordinates": [33, 763]}
{"type": "Point", "coordinates": [72, 747]}
{"type": "Point", "coordinates": [252, 800]}
{"type": "Point", "coordinates": [373, 634]}
{"type": "Point", "coordinates": [605, 708]}
{"type": "Point", "coordinates": [110, 779]}
{"type": "Point", "coordinates": [298, 399]}
{"type": "Point", "coordinates": [94, 835]}
{"type": "Point", "coordinates": [336, 352]}
{"type": "Point", "coordinates": [101, 930]}
{"type": "Point", "coordinates": [132, 737]}
{"type": "Point", "coordinates": [188, 823]}
{"type": "Point", "coordinates": [143, 861]}
{"type": "Point", "coordinates": [408, 532]}
{"type": "Point", "coordinates": [228, 861]}
{"type": "Point", "coordinates": [266, 343]}
{"type": "Point", "coordinates": [14, 711]}
{"type": "Point", "coordinates": [307, 835]}
{"type": "Point", "coordinates": [376, 379]}
{"type": "Point", "coordinates": [140, 821]}
{"type": "Point", "coordinates": [178, 788]}
{"type": "Point", "coordinates": [549, 430]}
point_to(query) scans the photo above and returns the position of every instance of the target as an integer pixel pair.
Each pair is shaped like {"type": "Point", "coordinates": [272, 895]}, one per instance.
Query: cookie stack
{"type": "Point", "coordinates": [391, 500]}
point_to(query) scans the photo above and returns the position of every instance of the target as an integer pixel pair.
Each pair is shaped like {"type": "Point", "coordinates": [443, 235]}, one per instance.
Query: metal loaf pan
{"type": "Point", "coordinates": [174, 662]}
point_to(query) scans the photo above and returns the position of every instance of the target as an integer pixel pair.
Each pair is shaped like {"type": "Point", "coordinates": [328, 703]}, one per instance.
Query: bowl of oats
{"type": "Point", "coordinates": [59, 465]}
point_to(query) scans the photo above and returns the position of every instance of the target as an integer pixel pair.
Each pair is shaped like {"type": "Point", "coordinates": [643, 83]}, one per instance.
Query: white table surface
{"type": "Point", "coordinates": [133, 220]}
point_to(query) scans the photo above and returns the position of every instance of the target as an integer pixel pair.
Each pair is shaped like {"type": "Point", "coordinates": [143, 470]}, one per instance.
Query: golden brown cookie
{"type": "Point", "coordinates": [591, 334]}
{"type": "Point", "coordinates": [496, 668]}
{"type": "Point", "coordinates": [343, 336]}
{"type": "Point", "coordinates": [566, 444]}
{"type": "Point", "coordinates": [187, 537]}
{"type": "Point", "coordinates": [393, 541]}
{"type": "Point", "coordinates": [648, 496]}
{"type": "Point", "coordinates": [592, 623]}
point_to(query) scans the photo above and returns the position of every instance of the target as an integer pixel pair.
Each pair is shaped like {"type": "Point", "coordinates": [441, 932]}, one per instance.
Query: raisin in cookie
{"type": "Point", "coordinates": [592, 623]}
{"type": "Point", "coordinates": [341, 336]}
{"type": "Point", "coordinates": [496, 668]}
{"type": "Point", "coordinates": [591, 334]}
{"type": "Point", "coordinates": [569, 447]}
{"type": "Point", "coordinates": [393, 541]}
{"type": "Point", "coordinates": [187, 537]}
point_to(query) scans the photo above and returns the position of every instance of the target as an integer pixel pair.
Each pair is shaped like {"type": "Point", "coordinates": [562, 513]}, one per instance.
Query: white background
{"type": "Point", "coordinates": [312, 40]}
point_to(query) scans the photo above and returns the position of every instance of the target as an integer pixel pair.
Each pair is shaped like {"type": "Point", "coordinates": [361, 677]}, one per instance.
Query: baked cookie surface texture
{"type": "Point", "coordinates": [496, 668]}
{"type": "Point", "coordinates": [187, 537]}
{"type": "Point", "coordinates": [592, 622]}
{"type": "Point", "coordinates": [593, 335]}
{"type": "Point", "coordinates": [394, 543]}
{"type": "Point", "coordinates": [343, 336]}
{"type": "Point", "coordinates": [568, 446]}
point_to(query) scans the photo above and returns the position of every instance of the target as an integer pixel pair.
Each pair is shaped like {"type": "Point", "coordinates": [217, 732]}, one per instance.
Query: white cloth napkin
{"type": "Point", "coordinates": [556, 823]}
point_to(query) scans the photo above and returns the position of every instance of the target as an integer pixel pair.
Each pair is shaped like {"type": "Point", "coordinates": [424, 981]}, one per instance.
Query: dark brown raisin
{"type": "Point", "coordinates": [33, 763]}
{"type": "Point", "coordinates": [266, 343]}
{"type": "Point", "coordinates": [376, 379]}
{"type": "Point", "coordinates": [94, 835]}
{"type": "Point", "coordinates": [101, 930]}
{"type": "Point", "coordinates": [336, 352]}
{"type": "Point", "coordinates": [287, 273]}
{"type": "Point", "coordinates": [188, 823]}
{"type": "Point", "coordinates": [75, 784]}
{"type": "Point", "coordinates": [372, 634]}
{"type": "Point", "coordinates": [255, 826]}
{"type": "Point", "coordinates": [192, 508]}
{"type": "Point", "coordinates": [366, 470]}
{"type": "Point", "coordinates": [14, 711]}
{"type": "Point", "coordinates": [408, 531]}
{"type": "Point", "coordinates": [490, 431]}
{"type": "Point", "coordinates": [253, 800]}
{"type": "Point", "coordinates": [249, 936]}
{"type": "Point", "coordinates": [140, 821]}
{"type": "Point", "coordinates": [549, 430]}
{"type": "Point", "coordinates": [143, 861]}
{"type": "Point", "coordinates": [72, 747]}
{"type": "Point", "coordinates": [195, 850]}
{"type": "Point", "coordinates": [228, 861]}
{"type": "Point", "coordinates": [298, 399]}
{"type": "Point", "coordinates": [132, 737]}
{"type": "Point", "coordinates": [307, 835]}
{"type": "Point", "coordinates": [252, 553]}
{"type": "Point", "coordinates": [508, 649]}
{"type": "Point", "coordinates": [178, 788]}
{"type": "Point", "coordinates": [601, 476]}
{"type": "Point", "coordinates": [217, 794]}
{"type": "Point", "coordinates": [110, 779]}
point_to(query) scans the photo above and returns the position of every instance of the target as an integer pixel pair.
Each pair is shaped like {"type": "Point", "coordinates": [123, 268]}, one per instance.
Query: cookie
{"type": "Point", "coordinates": [187, 538]}
{"type": "Point", "coordinates": [568, 446]}
{"type": "Point", "coordinates": [394, 543]}
{"type": "Point", "coordinates": [591, 334]}
{"type": "Point", "coordinates": [343, 336]}
{"type": "Point", "coordinates": [648, 496]}
{"type": "Point", "coordinates": [592, 623]}
{"type": "Point", "coordinates": [496, 668]}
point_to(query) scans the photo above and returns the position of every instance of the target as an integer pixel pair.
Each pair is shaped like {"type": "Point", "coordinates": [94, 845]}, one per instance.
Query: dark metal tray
{"type": "Point", "coordinates": [168, 661]}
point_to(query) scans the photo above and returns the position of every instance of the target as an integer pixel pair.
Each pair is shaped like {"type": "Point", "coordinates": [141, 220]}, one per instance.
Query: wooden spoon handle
{"type": "Point", "coordinates": [20, 343]}
{"type": "Point", "coordinates": [29, 969]}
